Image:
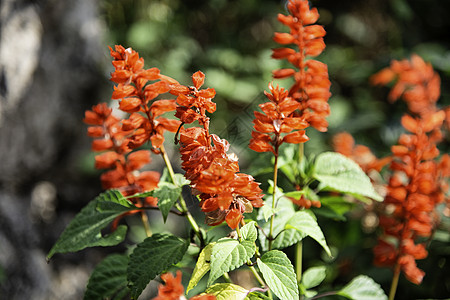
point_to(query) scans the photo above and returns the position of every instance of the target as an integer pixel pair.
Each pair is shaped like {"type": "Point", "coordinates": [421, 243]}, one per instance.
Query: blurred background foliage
{"type": "Point", "coordinates": [230, 42]}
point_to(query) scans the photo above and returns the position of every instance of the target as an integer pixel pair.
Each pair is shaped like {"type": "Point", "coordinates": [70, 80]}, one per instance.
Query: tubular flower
{"type": "Point", "coordinates": [417, 185]}
{"type": "Point", "coordinates": [419, 180]}
{"type": "Point", "coordinates": [122, 164]}
{"type": "Point", "coordinates": [277, 124]}
{"type": "Point", "coordinates": [225, 194]}
{"type": "Point", "coordinates": [192, 101]}
{"type": "Point", "coordinates": [312, 86]}
{"type": "Point", "coordinates": [138, 97]}
{"type": "Point", "coordinates": [415, 82]}
{"type": "Point", "coordinates": [174, 290]}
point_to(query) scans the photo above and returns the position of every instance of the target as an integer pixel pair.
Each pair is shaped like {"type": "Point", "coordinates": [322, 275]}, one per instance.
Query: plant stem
{"type": "Point", "coordinates": [257, 276]}
{"type": "Point", "coordinates": [184, 209]}
{"type": "Point", "coordinates": [298, 260]}
{"type": "Point", "coordinates": [275, 177]}
{"type": "Point", "coordinates": [227, 277]}
{"type": "Point", "coordinates": [299, 246]}
{"type": "Point", "coordinates": [144, 219]}
{"type": "Point", "coordinates": [394, 281]}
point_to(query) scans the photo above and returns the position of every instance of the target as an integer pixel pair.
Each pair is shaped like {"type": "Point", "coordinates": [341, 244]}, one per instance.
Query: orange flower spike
{"type": "Point", "coordinates": [311, 86]}
{"type": "Point", "coordinates": [277, 120]}
{"type": "Point", "coordinates": [415, 82]}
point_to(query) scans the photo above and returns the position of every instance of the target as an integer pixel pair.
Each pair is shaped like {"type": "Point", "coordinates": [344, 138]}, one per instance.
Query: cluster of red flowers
{"type": "Point", "coordinates": [312, 86]}
{"type": "Point", "coordinates": [138, 97]}
{"type": "Point", "coordinates": [225, 194]}
{"type": "Point", "coordinates": [415, 82]}
{"type": "Point", "coordinates": [418, 183]}
{"type": "Point", "coordinates": [117, 156]}
{"type": "Point", "coordinates": [174, 290]}
{"type": "Point", "coordinates": [277, 120]}
{"type": "Point", "coordinates": [119, 137]}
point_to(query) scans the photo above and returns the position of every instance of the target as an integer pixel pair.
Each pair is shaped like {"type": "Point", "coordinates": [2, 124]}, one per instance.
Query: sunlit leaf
{"type": "Point", "coordinates": [201, 267]}
{"type": "Point", "coordinates": [363, 288]}
{"type": "Point", "coordinates": [342, 174]}
{"type": "Point", "coordinates": [308, 226]}
{"type": "Point", "coordinates": [279, 274]}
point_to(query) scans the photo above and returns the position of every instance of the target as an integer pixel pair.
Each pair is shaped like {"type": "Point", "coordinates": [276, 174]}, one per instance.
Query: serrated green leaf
{"type": "Point", "coordinates": [141, 195]}
{"type": "Point", "coordinates": [256, 296]}
{"type": "Point", "coordinates": [151, 257]}
{"type": "Point", "coordinates": [307, 225]}
{"type": "Point", "coordinates": [342, 174]}
{"type": "Point", "coordinates": [363, 288]}
{"type": "Point", "coordinates": [279, 274]}
{"type": "Point", "coordinates": [180, 180]}
{"type": "Point", "coordinates": [109, 279]}
{"type": "Point", "coordinates": [268, 211]}
{"type": "Point", "coordinates": [249, 232]}
{"type": "Point", "coordinates": [201, 267]}
{"type": "Point", "coordinates": [229, 254]}
{"type": "Point", "coordinates": [167, 194]}
{"type": "Point", "coordinates": [313, 277]}
{"type": "Point", "coordinates": [85, 229]}
{"type": "Point", "coordinates": [113, 196]}
{"type": "Point", "coordinates": [227, 291]}
{"type": "Point", "coordinates": [284, 237]}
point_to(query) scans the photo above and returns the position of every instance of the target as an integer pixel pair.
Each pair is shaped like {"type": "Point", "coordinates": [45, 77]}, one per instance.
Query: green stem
{"type": "Point", "coordinates": [299, 246]}
{"type": "Point", "coordinates": [275, 177]}
{"type": "Point", "coordinates": [298, 260]}
{"type": "Point", "coordinates": [184, 209]}
{"type": "Point", "coordinates": [394, 282]}
{"type": "Point", "coordinates": [146, 224]}
{"type": "Point", "coordinates": [227, 277]}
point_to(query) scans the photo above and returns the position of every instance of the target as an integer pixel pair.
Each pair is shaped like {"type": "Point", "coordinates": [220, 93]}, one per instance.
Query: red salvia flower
{"type": "Point", "coordinates": [172, 289]}
{"type": "Point", "coordinates": [312, 86]}
{"type": "Point", "coordinates": [122, 164]}
{"type": "Point", "coordinates": [225, 194]}
{"type": "Point", "coordinates": [415, 82]}
{"type": "Point", "coordinates": [277, 124]}
{"type": "Point", "coordinates": [138, 97]}
{"type": "Point", "coordinates": [418, 182]}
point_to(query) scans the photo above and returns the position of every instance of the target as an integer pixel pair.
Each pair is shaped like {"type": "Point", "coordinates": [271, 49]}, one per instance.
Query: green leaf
{"type": "Point", "coordinates": [279, 274]}
{"type": "Point", "coordinates": [85, 229]}
{"type": "Point", "coordinates": [268, 211]}
{"type": "Point", "coordinates": [249, 232]}
{"type": "Point", "coordinates": [167, 194]}
{"type": "Point", "coordinates": [151, 257]}
{"type": "Point", "coordinates": [180, 180]}
{"type": "Point", "coordinates": [363, 288]}
{"type": "Point", "coordinates": [141, 195]}
{"type": "Point", "coordinates": [227, 291]}
{"type": "Point", "coordinates": [313, 277]}
{"type": "Point", "coordinates": [284, 237]}
{"type": "Point", "coordinates": [256, 296]}
{"type": "Point", "coordinates": [201, 267]}
{"type": "Point", "coordinates": [229, 254]}
{"type": "Point", "coordinates": [308, 226]}
{"type": "Point", "coordinates": [342, 174]}
{"type": "Point", "coordinates": [334, 207]}
{"type": "Point", "coordinates": [109, 279]}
